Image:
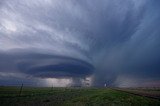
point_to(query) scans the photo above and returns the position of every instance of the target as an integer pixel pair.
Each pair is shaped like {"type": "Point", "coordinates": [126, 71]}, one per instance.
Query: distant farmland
{"type": "Point", "coordinates": [30, 96]}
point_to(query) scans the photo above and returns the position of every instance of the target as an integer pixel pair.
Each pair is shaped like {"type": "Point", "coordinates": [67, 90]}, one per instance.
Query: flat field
{"type": "Point", "coordinates": [30, 96]}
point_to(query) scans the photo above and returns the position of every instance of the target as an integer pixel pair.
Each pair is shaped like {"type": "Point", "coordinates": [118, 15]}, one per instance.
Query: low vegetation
{"type": "Point", "coordinates": [10, 96]}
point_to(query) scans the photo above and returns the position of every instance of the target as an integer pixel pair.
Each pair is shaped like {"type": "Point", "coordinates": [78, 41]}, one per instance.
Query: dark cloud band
{"type": "Point", "coordinates": [109, 39]}
{"type": "Point", "coordinates": [48, 66]}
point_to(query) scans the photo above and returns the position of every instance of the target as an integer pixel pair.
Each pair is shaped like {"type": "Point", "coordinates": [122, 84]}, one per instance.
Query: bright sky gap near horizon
{"type": "Point", "coordinates": [69, 42]}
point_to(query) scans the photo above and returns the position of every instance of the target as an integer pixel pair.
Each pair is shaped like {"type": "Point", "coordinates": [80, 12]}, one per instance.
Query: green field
{"type": "Point", "coordinates": [10, 96]}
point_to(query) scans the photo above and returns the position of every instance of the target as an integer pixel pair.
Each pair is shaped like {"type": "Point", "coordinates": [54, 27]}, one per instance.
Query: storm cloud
{"type": "Point", "coordinates": [108, 41]}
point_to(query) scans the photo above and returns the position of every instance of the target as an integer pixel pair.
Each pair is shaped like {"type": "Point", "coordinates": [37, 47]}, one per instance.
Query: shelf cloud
{"type": "Point", "coordinates": [114, 42]}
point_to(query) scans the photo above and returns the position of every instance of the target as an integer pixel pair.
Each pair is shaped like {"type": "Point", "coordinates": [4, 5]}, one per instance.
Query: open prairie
{"type": "Point", "coordinates": [39, 96]}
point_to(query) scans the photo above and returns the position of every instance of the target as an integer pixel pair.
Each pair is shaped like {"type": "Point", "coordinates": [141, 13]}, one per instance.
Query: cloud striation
{"type": "Point", "coordinates": [108, 41]}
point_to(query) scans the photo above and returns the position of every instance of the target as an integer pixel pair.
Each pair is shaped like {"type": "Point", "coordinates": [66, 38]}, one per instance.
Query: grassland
{"type": "Point", "coordinates": [147, 92]}
{"type": "Point", "coordinates": [30, 96]}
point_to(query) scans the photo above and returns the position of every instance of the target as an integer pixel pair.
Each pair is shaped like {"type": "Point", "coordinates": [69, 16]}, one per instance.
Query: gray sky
{"type": "Point", "coordinates": [65, 42]}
